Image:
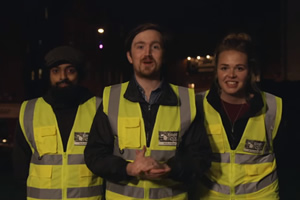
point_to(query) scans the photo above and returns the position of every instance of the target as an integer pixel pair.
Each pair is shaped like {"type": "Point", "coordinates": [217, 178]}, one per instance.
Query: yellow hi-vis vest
{"type": "Point", "coordinates": [53, 173]}
{"type": "Point", "coordinates": [249, 171]}
{"type": "Point", "coordinates": [128, 127]}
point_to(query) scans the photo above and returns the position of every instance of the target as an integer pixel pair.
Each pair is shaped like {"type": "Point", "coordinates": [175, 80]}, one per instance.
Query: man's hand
{"type": "Point", "coordinates": [146, 167]}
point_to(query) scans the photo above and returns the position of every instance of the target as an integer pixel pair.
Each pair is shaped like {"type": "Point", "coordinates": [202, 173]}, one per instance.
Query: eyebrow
{"type": "Point", "coordinates": [142, 42]}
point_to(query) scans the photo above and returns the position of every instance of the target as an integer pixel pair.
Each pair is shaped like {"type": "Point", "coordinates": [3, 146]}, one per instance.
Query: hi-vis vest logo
{"type": "Point", "coordinates": [168, 138]}
{"type": "Point", "coordinates": [80, 138]}
{"type": "Point", "coordinates": [254, 146]}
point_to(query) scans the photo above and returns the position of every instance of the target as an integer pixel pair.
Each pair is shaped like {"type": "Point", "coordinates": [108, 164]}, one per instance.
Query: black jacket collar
{"type": "Point", "coordinates": [168, 96]}
{"type": "Point", "coordinates": [256, 103]}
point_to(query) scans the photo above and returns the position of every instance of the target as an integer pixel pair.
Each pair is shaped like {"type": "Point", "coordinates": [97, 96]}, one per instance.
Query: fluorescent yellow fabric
{"type": "Point", "coordinates": [131, 135]}
{"type": "Point", "coordinates": [233, 173]}
{"type": "Point", "coordinates": [47, 142]}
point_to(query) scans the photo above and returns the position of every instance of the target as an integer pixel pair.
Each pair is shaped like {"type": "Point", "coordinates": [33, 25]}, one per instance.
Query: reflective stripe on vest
{"type": "Point", "coordinates": [243, 158]}
{"type": "Point", "coordinates": [168, 187]}
{"type": "Point", "coordinates": [55, 160]}
{"type": "Point", "coordinates": [154, 193]}
{"type": "Point", "coordinates": [243, 188]}
{"type": "Point", "coordinates": [113, 110]}
{"type": "Point", "coordinates": [79, 192]}
{"type": "Point", "coordinates": [266, 157]}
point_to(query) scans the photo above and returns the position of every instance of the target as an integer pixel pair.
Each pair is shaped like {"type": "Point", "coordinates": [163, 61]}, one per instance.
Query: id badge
{"type": "Point", "coordinates": [254, 146]}
{"type": "Point", "coordinates": [81, 138]}
{"type": "Point", "coordinates": [168, 138]}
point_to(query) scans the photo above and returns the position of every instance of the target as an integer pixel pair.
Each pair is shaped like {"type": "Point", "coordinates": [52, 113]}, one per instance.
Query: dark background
{"type": "Point", "coordinates": [29, 29]}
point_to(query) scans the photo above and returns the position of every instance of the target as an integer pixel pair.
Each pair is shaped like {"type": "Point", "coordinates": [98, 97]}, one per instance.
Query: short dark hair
{"type": "Point", "coordinates": [143, 27]}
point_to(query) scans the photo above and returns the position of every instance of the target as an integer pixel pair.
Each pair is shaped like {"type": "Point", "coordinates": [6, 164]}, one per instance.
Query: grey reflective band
{"type": "Point", "coordinates": [160, 193]}
{"type": "Point", "coordinates": [73, 159]}
{"type": "Point", "coordinates": [82, 192]}
{"type": "Point", "coordinates": [185, 109]}
{"type": "Point", "coordinates": [127, 154]}
{"type": "Point", "coordinates": [162, 155]}
{"type": "Point", "coordinates": [76, 159]}
{"type": "Point", "coordinates": [113, 106]}
{"type": "Point", "coordinates": [154, 193]}
{"type": "Point", "coordinates": [253, 159]}
{"type": "Point", "coordinates": [243, 188]}
{"type": "Point", "coordinates": [256, 186]}
{"type": "Point", "coordinates": [243, 158]}
{"type": "Point", "coordinates": [28, 121]}
{"type": "Point", "coordinates": [44, 193]}
{"type": "Point", "coordinates": [113, 110]}
{"type": "Point", "coordinates": [125, 190]}
{"type": "Point", "coordinates": [270, 118]}
{"type": "Point", "coordinates": [215, 186]}
{"type": "Point", "coordinates": [98, 102]}
{"type": "Point", "coordinates": [46, 159]}
{"type": "Point", "coordinates": [221, 157]}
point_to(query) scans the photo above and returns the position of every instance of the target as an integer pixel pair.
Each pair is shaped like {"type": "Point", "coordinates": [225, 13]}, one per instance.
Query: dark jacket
{"type": "Point", "coordinates": [192, 157]}
{"type": "Point", "coordinates": [65, 111]}
{"type": "Point", "coordinates": [256, 104]}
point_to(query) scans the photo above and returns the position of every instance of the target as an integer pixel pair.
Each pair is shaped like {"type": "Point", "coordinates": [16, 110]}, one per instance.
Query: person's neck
{"type": "Point", "coordinates": [148, 85]}
{"type": "Point", "coordinates": [238, 99]}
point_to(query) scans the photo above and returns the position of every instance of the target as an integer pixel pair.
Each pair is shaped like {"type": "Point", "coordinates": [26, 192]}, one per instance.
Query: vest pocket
{"type": "Point", "coordinates": [258, 169]}
{"type": "Point", "coordinates": [215, 136]}
{"type": "Point", "coordinates": [85, 172]}
{"type": "Point", "coordinates": [46, 140]}
{"type": "Point", "coordinates": [129, 133]}
{"type": "Point", "coordinates": [42, 171]}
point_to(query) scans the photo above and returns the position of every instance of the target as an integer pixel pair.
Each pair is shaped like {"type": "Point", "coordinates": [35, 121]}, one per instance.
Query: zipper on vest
{"type": "Point", "coordinates": [64, 175]}
{"type": "Point", "coordinates": [148, 134]}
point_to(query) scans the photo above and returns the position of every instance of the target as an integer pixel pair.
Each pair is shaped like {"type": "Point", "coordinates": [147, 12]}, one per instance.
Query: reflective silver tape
{"type": "Point", "coordinates": [243, 188]}
{"type": "Point", "coordinates": [127, 154]}
{"type": "Point", "coordinates": [256, 186]}
{"type": "Point", "coordinates": [160, 193]}
{"type": "Point", "coordinates": [98, 102]}
{"type": "Point", "coordinates": [76, 159]}
{"type": "Point", "coordinates": [125, 190]}
{"type": "Point", "coordinates": [270, 118]}
{"type": "Point", "coordinates": [39, 193]}
{"type": "Point", "coordinates": [113, 106]}
{"type": "Point", "coordinates": [82, 192]}
{"type": "Point", "coordinates": [253, 159]}
{"type": "Point", "coordinates": [162, 155]}
{"type": "Point", "coordinates": [185, 109]}
{"type": "Point", "coordinates": [46, 159]}
{"type": "Point", "coordinates": [28, 121]}
{"type": "Point", "coordinates": [221, 157]}
{"type": "Point", "coordinates": [215, 186]}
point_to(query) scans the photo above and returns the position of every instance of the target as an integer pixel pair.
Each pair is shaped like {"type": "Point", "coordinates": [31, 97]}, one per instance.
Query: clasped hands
{"type": "Point", "coordinates": [146, 167]}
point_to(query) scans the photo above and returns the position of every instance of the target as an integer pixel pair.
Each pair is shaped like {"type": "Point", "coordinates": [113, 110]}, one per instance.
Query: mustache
{"type": "Point", "coordinates": [63, 81]}
{"type": "Point", "coordinates": [147, 58]}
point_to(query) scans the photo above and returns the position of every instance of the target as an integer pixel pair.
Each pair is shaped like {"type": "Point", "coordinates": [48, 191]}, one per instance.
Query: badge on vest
{"type": "Point", "coordinates": [168, 138]}
{"type": "Point", "coordinates": [254, 146]}
{"type": "Point", "coordinates": [81, 138]}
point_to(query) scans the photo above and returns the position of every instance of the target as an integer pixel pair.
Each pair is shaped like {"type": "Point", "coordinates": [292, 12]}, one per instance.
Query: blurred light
{"type": "Point", "coordinates": [189, 58]}
{"type": "Point", "coordinates": [191, 85]}
{"type": "Point", "coordinates": [100, 30]}
{"type": "Point", "coordinates": [208, 56]}
{"type": "Point", "coordinates": [101, 46]}
{"type": "Point", "coordinates": [4, 140]}
{"type": "Point", "coordinates": [198, 57]}
{"type": "Point", "coordinates": [40, 73]}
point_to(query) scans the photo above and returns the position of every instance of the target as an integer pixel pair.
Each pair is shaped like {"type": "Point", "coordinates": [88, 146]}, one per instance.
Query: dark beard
{"type": "Point", "coordinates": [65, 97]}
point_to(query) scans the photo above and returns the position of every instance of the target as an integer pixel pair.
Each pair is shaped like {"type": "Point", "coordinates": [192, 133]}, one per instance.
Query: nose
{"type": "Point", "coordinates": [148, 51]}
{"type": "Point", "coordinates": [232, 73]}
{"type": "Point", "coordinates": [62, 75]}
